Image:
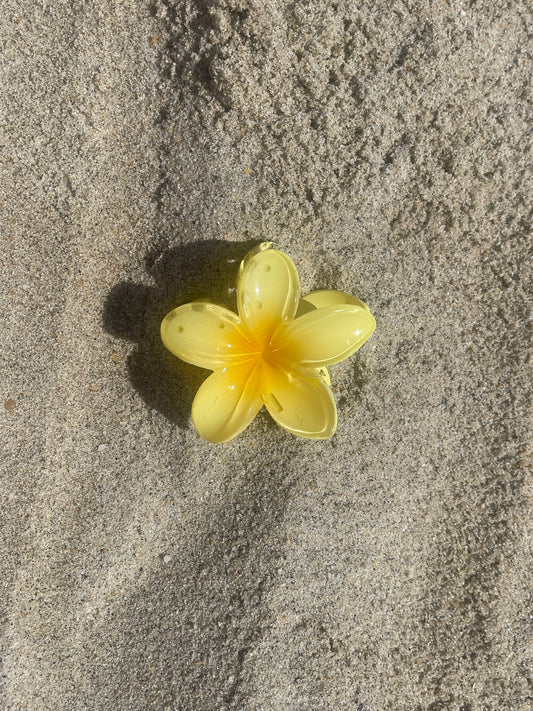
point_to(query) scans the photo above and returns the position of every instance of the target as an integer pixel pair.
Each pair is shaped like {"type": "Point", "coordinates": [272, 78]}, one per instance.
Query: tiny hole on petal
{"type": "Point", "coordinates": [268, 268]}
{"type": "Point", "coordinates": [221, 325]}
{"type": "Point", "coordinates": [180, 329]}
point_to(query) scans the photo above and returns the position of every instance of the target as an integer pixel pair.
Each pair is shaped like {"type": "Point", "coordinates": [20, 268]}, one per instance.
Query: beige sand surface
{"type": "Point", "coordinates": [386, 146]}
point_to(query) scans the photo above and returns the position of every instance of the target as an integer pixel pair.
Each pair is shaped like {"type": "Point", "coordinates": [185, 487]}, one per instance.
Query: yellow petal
{"type": "Point", "coordinates": [300, 402]}
{"type": "Point", "coordinates": [205, 334]}
{"type": "Point", "coordinates": [227, 402]}
{"type": "Point", "coordinates": [267, 293]}
{"type": "Point", "coordinates": [331, 297]}
{"type": "Point", "coordinates": [325, 336]}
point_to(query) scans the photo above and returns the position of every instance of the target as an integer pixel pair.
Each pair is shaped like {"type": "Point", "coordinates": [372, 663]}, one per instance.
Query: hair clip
{"type": "Point", "coordinates": [274, 352]}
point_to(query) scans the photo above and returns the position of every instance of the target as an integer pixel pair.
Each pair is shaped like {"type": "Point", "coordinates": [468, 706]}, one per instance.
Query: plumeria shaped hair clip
{"type": "Point", "coordinates": [273, 353]}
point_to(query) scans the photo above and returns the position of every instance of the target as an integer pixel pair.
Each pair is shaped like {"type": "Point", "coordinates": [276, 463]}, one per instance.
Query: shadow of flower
{"type": "Point", "coordinates": [134, 312]}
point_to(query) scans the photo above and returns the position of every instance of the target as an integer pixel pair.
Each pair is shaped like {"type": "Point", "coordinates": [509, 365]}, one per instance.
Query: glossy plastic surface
{"type": "Point", "coordinates": [273, 353]}
{"type": "Point", "coordinates": [268, 293]}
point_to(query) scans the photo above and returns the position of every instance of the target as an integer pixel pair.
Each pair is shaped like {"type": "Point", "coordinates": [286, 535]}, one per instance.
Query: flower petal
{"type": "Point", "coordinates": [331, 297]}
{"type": "Point", "coordinates": [227, 402]}
{"type": "Point", "coordinates": [267, 293]}
{"type": "Point", "coordinates": [300, 401]}
{"type": "Point", "coordinates": [206, 335]}
{"type": "Point", "coordinates": [325, 336]}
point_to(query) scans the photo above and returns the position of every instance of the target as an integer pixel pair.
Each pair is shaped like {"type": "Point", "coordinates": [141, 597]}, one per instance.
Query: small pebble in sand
{"type": "Point", "coordinates": [9, 405]}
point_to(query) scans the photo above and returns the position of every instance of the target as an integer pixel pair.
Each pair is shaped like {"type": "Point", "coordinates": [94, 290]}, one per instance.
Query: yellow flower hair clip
{"type": "Point", "coordinates": [273, 353]}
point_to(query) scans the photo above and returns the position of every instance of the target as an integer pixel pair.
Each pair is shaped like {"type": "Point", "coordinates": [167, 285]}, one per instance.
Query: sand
{"type": "Point", "coordinates": [386, 146]}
